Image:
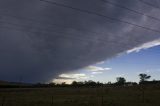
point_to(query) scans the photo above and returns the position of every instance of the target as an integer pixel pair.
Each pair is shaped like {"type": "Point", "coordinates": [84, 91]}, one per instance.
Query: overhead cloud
{"type": "Point", "coordinates": [73, 76]}
{"type": "Point", "coordinates": [145, 46]}
{"type": "Point", "coordinates": [69, 78]}
{"type": "Point", "coordinates": [40, 40]}
{"type": "Point", "coordinates": [60, 81]}
{"type": "Point", "coordinates": [97, 69]}
{"type": "Point", "coordinates": [121, 75]}
{"type": "Point", "coordinates": [102, 62]}
{"type": "Point", "coordinates": [97, 72]}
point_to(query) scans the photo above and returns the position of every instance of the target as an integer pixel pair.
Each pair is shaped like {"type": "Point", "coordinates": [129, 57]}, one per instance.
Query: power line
{"type": "Point", "coordinates": [140, 13]}
{"type": "Point", "coordinates": [58, 35]}
{"type": "Point", "coordinates": [97, 14]}
{"type": "Point", "coordinates": [55, 25]}
{"type": "Point", "coordinates": [62, 37]}
{"type": "Point", "coordinates": [33, 32]}
{"type": "Point", "coordinates": [44, 31]}
{"type": "Point", "coordinates": [50, 24]}
{"type": "Point", "coordinates": [51, 30]}
{"type": "Point", "coordinates": [144, 2]}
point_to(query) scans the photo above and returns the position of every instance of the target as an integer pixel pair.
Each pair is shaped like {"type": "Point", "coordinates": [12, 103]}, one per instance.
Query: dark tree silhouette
{"type": "Point", "coordinates": [74, 83]}
{"type": "Point", "coordinates": [89, 83]}
{"type": "Point", "coordinates": [144, 77]}
{"type": "Point", "coordinates": [120, 81]}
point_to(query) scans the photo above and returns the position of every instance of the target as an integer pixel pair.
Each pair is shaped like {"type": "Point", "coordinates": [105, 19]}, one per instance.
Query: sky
{"type": "Point", "coordinates": [127, 65]}
{"type": "Point", "coordinates": [44, 40]}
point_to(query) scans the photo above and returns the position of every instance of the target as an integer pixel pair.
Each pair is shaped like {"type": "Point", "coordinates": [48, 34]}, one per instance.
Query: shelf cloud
{"type": "Point", "coordinates": [40, 40]}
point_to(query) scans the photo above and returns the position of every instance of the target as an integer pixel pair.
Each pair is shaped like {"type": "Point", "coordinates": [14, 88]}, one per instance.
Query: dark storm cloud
{"type": "Point", "coordinates": [40, 40]}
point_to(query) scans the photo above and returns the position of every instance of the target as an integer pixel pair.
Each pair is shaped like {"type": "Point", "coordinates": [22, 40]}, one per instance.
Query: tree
{"type": "Point", "coordinates": [144, 77]}
{"type": "Point", "coordinates": [52, 84]}
{"type": "Point", "coordinates": [120, 81]}
{"type": "Point", "coordinates": [74, 83]}
{"type": "Point", "coordinates": [64, 84]}
{"type": "Point", "coordinates": [90, 83]}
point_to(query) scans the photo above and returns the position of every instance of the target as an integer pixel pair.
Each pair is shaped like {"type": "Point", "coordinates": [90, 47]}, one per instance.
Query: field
{"type": "Point", "coordinates": [70, 96]}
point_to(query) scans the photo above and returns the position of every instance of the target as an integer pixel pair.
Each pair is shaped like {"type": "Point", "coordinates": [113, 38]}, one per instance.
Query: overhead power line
{"type": "Point", "coordinates": [50, 32]}
{"type": "Point", "coordinates": [144, 2]}
{"type": "Point", "coordinates": [56, 25]}
{"type": "Point", "coordinates": [33, 32]}
{"type": "Point", "coordinates": [49, 29]}
{"type": "Point", "coordinates": [49, 24]}
{"type": "Point", "coordinates": [135, 11]}
{"type": "Point", "coordinates": [86, 41]}
{"type": "Point", "coordinates": [97, 14]}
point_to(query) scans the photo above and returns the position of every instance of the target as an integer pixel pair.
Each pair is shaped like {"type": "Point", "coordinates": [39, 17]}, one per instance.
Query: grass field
{"type": "Point", "coordinates": [68, 96]}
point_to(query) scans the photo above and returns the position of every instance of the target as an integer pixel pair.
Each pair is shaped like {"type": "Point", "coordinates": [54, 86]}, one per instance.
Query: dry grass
{"type": "Point", "coordinates": [130, 96]}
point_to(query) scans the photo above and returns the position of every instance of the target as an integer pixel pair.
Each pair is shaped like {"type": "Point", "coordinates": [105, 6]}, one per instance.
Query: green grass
{"type": "Point", "coordinates": [124, 96]}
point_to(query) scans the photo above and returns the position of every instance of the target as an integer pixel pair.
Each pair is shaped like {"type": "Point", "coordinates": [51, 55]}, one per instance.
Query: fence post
{"type": "Point", "coordinates": [52, 101]}
{"type": "Point", "coordinates": [3, 100]}
{"type": "Point", "coordinates": [102, 101]}
{"type": "Point", "coordinates": [143, 95]}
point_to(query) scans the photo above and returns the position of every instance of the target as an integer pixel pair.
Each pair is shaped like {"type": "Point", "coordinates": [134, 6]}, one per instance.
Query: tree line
{"type": "Point", "coordinates": [120, 81]}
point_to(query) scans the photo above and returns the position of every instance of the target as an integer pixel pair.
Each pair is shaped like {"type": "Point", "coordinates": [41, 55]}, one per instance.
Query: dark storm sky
{"type": "Point", "coordinates": [40, 40]}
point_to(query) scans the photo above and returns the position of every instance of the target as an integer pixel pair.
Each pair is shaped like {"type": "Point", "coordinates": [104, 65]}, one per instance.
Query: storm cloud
{"type": "Point", "coordinates": [41, 39]}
